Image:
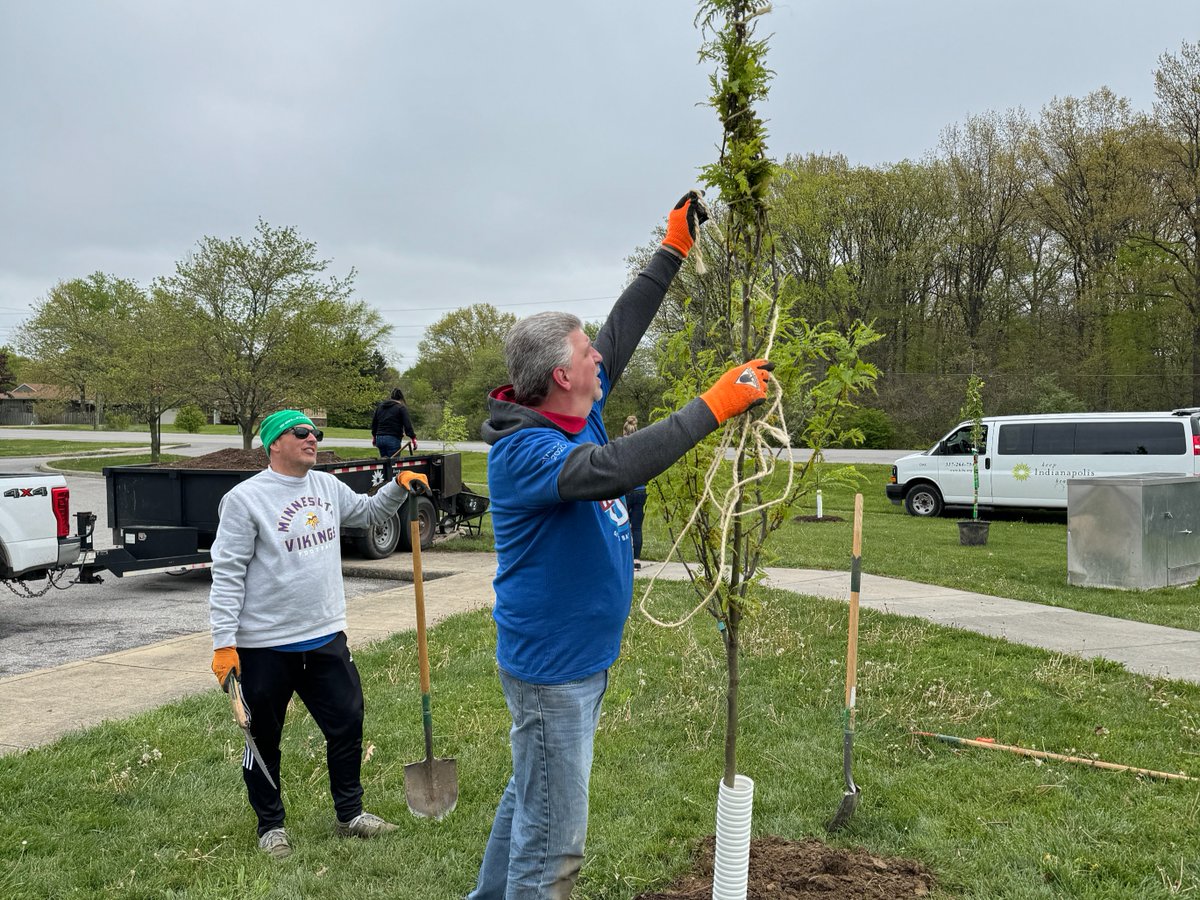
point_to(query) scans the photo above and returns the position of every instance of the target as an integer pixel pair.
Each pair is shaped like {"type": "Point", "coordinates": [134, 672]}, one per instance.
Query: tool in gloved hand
{"type": "Point", "coordinates": [413, 482]}
{"type": "Point", "coordinates": [241, 715]}
{"type": "Point", "coordinates": [683, 226]}
{"type": "Point", "coordinates": [741, 388]}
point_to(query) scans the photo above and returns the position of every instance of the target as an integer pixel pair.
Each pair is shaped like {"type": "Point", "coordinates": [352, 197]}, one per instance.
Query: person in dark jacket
{"type": "Point", "coordinates": [635, 502]}
{"type": "Point", "coordinates": [564, 574]}
{"type": "Point", "coordinates": [391, 425]}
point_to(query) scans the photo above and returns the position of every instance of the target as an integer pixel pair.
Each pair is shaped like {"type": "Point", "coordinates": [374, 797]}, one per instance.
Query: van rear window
{"type": "Point", "coordinates": [1092, 438]}
{"type": "Point", "coordinates": [1142, 438]}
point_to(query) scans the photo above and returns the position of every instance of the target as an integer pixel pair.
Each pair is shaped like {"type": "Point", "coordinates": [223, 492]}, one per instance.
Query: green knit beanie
{"type": "Point", "coordinates": [270, 428]}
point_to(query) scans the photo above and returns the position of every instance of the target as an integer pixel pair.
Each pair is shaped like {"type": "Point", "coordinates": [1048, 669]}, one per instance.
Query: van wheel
{"type": "Point", "coordinates": [924, 501]}
{"type": "Point", "coordinates": [380, 541]}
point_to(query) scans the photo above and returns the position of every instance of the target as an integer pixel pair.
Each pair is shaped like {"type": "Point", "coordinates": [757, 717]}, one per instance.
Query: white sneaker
{"type": "Point", "coordinates": [364, 825]}
{"type": "Point", "coordinates": [275, 843]}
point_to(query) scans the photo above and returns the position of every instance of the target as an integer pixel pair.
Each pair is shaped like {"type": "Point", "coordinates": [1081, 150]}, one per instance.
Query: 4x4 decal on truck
{"type": "Point", "coordinates": [26, 492]}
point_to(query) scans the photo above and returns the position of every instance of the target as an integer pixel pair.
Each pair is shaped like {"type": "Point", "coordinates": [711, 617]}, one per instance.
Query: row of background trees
{"type": "Point", "coordinates": [1058, 256]}
{"type": "Point", "coordinates": [246, 326]}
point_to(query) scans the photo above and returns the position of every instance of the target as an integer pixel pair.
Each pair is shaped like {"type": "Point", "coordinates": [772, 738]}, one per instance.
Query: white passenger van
{"type": "Point", "coordinates": [1025, 461]}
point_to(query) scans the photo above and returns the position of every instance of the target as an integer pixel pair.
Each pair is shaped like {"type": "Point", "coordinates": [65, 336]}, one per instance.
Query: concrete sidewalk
{"type": "Point", "coordinates": [39, 707]}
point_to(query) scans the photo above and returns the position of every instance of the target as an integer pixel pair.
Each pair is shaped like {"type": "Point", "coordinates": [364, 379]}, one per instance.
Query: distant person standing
{"type": "Point", "coordinates": [391, 425]}
{"type": "Point", "coordinates": [635, 502]}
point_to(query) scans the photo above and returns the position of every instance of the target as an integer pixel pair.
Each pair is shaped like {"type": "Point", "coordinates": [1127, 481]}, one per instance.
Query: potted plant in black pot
{"type": "Point", "coordinates": [973, 532]}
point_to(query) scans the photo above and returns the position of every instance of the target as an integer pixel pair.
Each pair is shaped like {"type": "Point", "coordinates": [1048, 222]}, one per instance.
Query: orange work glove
{"type": "Point", "coordinates": [413, 482]}
{"type": "Point", "coordinates": [225, 660]}
{"type": "Point", "coordinates": [684, 221]}
{"type": "Point", "coordinates": [738, 389]}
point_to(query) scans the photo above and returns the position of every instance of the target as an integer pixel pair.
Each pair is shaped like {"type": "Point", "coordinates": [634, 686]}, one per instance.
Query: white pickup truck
{"type": "Point", "coordinates": [35, 526]}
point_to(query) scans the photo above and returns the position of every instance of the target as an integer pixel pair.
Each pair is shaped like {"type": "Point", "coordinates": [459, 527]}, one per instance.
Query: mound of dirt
{"type": "Point", "coordinates": [815, 519]}
{"type": "Point", "coordinates": [781, 869]}
{"type": "Point", "coordinates": [237, 460]}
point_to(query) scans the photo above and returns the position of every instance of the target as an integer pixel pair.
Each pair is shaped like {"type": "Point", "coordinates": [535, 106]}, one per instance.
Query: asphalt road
{"type": "Point", "coordinates": [86, 620]}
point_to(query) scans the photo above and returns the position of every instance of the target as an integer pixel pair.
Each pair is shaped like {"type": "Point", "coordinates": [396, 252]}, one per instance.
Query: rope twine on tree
{"type": "Point", "coordinates": [756, 432]}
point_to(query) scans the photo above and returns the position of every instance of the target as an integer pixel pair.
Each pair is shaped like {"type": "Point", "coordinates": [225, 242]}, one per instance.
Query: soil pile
{"type": "Point", "coordinates": [815, 519]}
{"type": "Point", "coordinates": [790, 870]}
{"type": "Point", "coordinates": [237, 460]}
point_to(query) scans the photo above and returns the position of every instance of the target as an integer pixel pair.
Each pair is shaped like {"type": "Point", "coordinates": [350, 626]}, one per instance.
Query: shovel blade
{"type": "Point", "coordinates": [431, 787]}
{"type": "Point", "coordinates": [841, 818]}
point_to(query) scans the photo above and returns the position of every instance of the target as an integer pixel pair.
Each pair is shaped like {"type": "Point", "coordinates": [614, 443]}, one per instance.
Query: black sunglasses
{"type": "Point", "coordinates": [303, 431]}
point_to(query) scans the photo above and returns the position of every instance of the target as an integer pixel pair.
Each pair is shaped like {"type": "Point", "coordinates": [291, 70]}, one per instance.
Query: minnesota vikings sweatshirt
{"type": "Point", "coordinates": [277, 573]}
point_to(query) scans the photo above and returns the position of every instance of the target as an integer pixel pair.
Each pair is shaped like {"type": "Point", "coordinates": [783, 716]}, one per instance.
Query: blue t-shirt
{"type": "Point", "coordinates": [564, 575]}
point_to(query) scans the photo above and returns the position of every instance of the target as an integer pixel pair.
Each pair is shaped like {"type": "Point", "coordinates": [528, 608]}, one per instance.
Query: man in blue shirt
{"type": "Point", "coordinates": [564, 576]}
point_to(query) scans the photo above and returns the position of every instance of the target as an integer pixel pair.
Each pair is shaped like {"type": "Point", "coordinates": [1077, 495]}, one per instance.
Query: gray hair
{"type": "Point", "coordinates": [533, 349]}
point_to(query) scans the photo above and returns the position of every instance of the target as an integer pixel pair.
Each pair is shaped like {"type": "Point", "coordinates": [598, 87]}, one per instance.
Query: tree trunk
{"type": "Point", "coordinates": [731, 696]}
{"type": "Point", "coordinates": [155, 437]}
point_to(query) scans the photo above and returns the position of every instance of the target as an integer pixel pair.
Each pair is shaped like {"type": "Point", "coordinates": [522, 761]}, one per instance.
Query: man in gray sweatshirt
{"type": "Point", "coordinates": [278, 614]}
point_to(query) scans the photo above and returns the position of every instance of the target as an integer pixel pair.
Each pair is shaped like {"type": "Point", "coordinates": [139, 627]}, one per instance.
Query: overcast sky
{"type": "Point", "coordinates": [456, 153]}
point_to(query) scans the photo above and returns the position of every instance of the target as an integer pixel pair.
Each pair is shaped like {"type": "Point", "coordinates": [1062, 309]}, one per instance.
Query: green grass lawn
{"type": "Point", "coordinates": [21, 447]}
{"type": "Point", "coordinates": [155, 806]}
{"type": "Point", "coordinates": [1025, 558]}
{"type": "Point", "coordinates": [176, 431]}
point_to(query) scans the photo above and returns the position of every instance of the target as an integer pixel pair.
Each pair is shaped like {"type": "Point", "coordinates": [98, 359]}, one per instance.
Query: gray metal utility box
{"type": "Point", "coordinates": [1133, 531]}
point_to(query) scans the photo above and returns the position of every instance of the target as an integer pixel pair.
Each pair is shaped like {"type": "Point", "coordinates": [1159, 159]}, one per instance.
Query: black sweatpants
{"type": "Point", "coordinates": [328, 684]}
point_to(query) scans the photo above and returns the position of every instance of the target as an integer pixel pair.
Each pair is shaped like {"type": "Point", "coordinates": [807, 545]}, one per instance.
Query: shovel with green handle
{"type": "Point", "coordinates": [431, 785]}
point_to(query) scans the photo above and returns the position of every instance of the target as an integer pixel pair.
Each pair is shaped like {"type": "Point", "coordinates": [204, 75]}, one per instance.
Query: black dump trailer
{"type": "Point", "coordinates": [165, 518]}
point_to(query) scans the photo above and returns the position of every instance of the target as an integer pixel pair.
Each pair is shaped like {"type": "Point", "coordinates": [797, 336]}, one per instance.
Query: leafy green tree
{"type": "Point", "coordinates": [986, 173]}
{"type": "Point", "coordinates": [151, 367]}
{"type": "Point", "coordinates": [1176, 162]}
{"type": "Point", "coordinates": [270, 332]}
{"type": "Point", "coordinates": [453, 343]}
{"type": "Point", "coordinates": [452, 430]}
{"type": "Point", "coordinates": [740, 311]}
{"type": "Point", "coordinates": [190, 418]}
{"type": "Point", "coordinates": [972, 411]}
{"type": "Point", "coordinates": [8, 376]}
{"type": "Point", "coordinates": [70, 338]}
{"type": "Point", "coordinates": [638, 393]}
{"type": "Point", "coordinates": [487, 372]}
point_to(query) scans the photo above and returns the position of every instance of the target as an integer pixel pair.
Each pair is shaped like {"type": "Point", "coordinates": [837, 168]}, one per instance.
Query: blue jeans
{"type": "Point", "coordinates": [535, 849]}
{"type": "Point", "coordinates": [388, 444]}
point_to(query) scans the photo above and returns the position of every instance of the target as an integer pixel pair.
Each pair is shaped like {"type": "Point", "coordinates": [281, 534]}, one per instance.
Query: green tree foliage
{"type": "Point", "coordinates": [487, 372]}
{"type": "Point", "coordinates": [71, 338]}
{"type": "Point", "coordinates": [1175, 152]}
{"type": "Point", "coordinates": [461, 359]}
{"type": "Point", "coordinates": [452, 430]}
{"type": "Point", "coordinates": [972, 411]}
{"type": "Point", "coordinates": [190, 418]}
{"type": "Point", "coordinates": [638, 393]}
{"type": "Point", "coordinates": [269, 331]}
{"type": "Point", "coordinates": [8, 373]}
{"type": "Point", "coordinates": [151, 368]}
{"type": "Point", "coordinates": [452, 344]}
{"type": "Point", "coordinates": [736, 312]}
{"type": "Point", "coordinates": [874, 425]}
